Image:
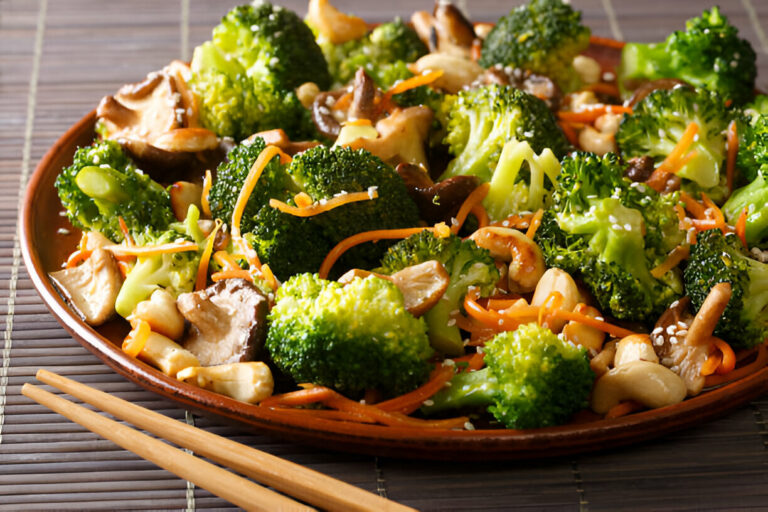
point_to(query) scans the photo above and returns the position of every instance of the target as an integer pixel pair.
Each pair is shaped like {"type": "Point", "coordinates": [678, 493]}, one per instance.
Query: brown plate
{"type": "Point", "coordinates": [44, 249]}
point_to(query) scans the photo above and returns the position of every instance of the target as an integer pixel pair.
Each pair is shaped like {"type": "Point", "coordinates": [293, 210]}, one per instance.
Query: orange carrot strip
{"type": "Point", "coordinates": [413, 82]}
{"type": "Point", "coordinates": [714, 211]}
{"type": "Point", "coordinates": [678, 254]}
{"type": "Point", "coordinates": [570, 132]}
{"type": "Point", "coordinates": [327, 414]}
{"type": "Point", "coordinates": [126, 233]}
{"type": "Point", "coordinates": [591, 113]}
{"type": "Point", "coordinates": [728, 357]}
{"type": "Point", "coordinates": [535, 223]}
{"type": "Point", "coordinates": [151, 250]}
{"type": "Point", "coordinates": [741, 226]}
{"type": "Point", "coordinates": [552, 303]}
{"type": "Point", "coordinates": [269, 277]}
{"type": "Point", "coordinates": [226, 260]}
{"type": "Point", "coordinates": [472, 199]}
{"type": "Point", "coordinates": [76, 258]}
{"type": "Point", "coordinates": [359, 122]}
{"type": "Point", "coordinates": [231, 274]}
{"type": "Point", "coordinates": [205, 258]}
{"type": "Point", "coordinates": [359, 238]}
{"type": "Point", "coordinates": [671, 163]}
{"type": "Point", "coordinates": [409, 402]}
{"type": "Point", "coordinates": [476, 362]}
{"type": "Point", "coordinates": [500, 321]}
{"type": "Point", "coordinates": [733, 149]}
{"type": "Point", "coordinates": [693, 206]}
{"type": "Point", "coordinates": [481, 215]}
{"type": "Point", "coordinates": [606, 41]}
{"type": "Point", "coordinates": [499, 304]}
{"type": "Point", "coordinates": [343, 102]}
{"type": "Point", "coordinates": [758, 363]}
{"type": "Point", "coordinates": [207, 184]}
{"type": "Point", "coordinates": [604, 88]}
{"type": "Point", "coordinates": [302, 200]}
{"type": "Point", "coordinates": [712, 363]}
{"type": "Point", "coordinates": [134, 343]}
{"type": "Point", "coordinates": [257, 168]}
{"type": "Point", "coordinates": [623, 408]}
{"type": "Point", "coordinates": [330, 204]}
{"type": "Point", "coordinates": [687, 158]}
{"type": "Point", "coordinates": [613, 330]}
{"type": "Point", "coordinates": [658, 179]}
{"type": "Point", "coordinates": [306, 396]}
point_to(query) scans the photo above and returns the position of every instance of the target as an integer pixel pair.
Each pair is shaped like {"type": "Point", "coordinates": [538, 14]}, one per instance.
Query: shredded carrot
{"type": "Point", "coordinates": [693, 206]}
{"type": "Point", "coordinates": [409, 402]}
{"type": "Point", "coordinates": [76, 258]}
{"type": "Point", "coordinates": [474, 198]}
{"type": "Point", "coordinates": [269, 277]}
{"type": "Point", "coordinates": [714, 211]}
{"type": "Point", "coordinates": [327, 414]}
{"type": "Point", "coordinates": [257, 168]}
{"type": "Point", "coordinates": [250, 255]}
{"type": "Point", "coordinates": [151, 250]}
{"type": "Point", "coordinates": [590, 113]}
{"type": "Point", "coordinates": [126, 233]}
{"type": "Point", "coordinates": [658, 179]}
{"type": "Point", "coordinates": [305, 396]}
{"type": "Point", "coordinates": [552, 303]}
{"type": "Point", "coordinates": [535, 223]}
{"type": "Point", "coordinates": [687, 158]}
{"type": "Point", "coordinates": [302, 200]}
{"type": "Point", "coordinates": [359, 238]}
{"type": "Point", "coordinates": [605, 41]}
{"type": "Point", "coordinates": [733, 149]}
{"type": "Point", "coordinates": [226, 260]}
{"type": "Point", "coordinates": [677, 255]}
{"type": "Point", "coordinates": [741, 226]}
{"type": "Point", "coordinates": [507, 320]}
{"type": "Point", "coordinates": [134, 343]}
{"type": "Point", "coordinates": [207, 184]}
{"type": "Point", "coordinates": [205, 258]}
{"type": "Point", "coordinates": [358, 122]}
{"type": "Point", "coordinates": [231, 274]}
{"type": "Point", "coordinates": [413, 82]}
{"type": "Point", "coordinates": [672, 162]}
{"type": "Point", "coordinates": [322, 207]}
{"type": "Point", "coordinates": [481, 215]}
{"type": "Point", "coordinates": [344, 101]}
{"type": "Point", "coordinates": [709, 367]}
{"type": "Point", "coordinates": [613, 330]}
{"type": "Point", "coordinates": [569, 132]}
{"type": "Point", "coordinates": [758, 363]}
{"type": "Point", "coordinates": [728, 357]}
{"type": "Point", "coordinates": [623, 408]}
{"type": "Point", "coordinates": [604, 88]}
{"type": "Point", "coordinates": [502, 303]}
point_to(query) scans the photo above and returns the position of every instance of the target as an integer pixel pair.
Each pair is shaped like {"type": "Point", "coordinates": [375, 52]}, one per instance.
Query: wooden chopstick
{"type": "Point", "coordinates": [231, 487]}
{"type": "Point", "coordinates": [292, 479]}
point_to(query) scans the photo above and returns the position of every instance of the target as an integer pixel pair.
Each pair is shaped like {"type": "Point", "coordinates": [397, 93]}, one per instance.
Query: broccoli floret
{"type": "Point", "coordinates": [753, 197]}
{"type": "Point", "coordinates": [467, 265]}
{"type": "Point", "coordinates": [480, 121]}
{"type": "Point", "coordinates": [610, 233]}
{"type": "Point", "coordinates": [382, 52]}
{"type": "Point", "coordinates": [522, 181]}
{"type": "Point", "coordinates": [718, 258]}
{"type": "Point", "coordinates": [543, 36]}
{"type": "Point", "coordinates": [753, 144]}
{"type": "Point", "coordinates": [353, 338]}
{"type": "Point", "coordinates": [532, 379]}
{"type": "Point", "coordinates": [246, 74]}
{"type": "Point", "coordinates": [658, 122]}
{"type": "Point", "coordinates": [708, 54]}
{"type": "Point", "coordinates": [324, 172]}
{"type": "Point", "coordinates": [103, 184]}
{"type": "Point", "coordinates": [176, 272]}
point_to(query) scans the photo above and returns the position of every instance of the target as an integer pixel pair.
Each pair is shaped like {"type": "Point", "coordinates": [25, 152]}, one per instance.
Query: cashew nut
{"type": "Point", "coordinates": [584, 335]}
{"type": "Point", "coordinates": [334, 25]}
{"type": "Point", "coordinates": [556, 280]}
{"type": "Point", "coordinates": [601, 363]}
{"type": "Point", "coordinates": [650, 384]}
{"type": "Point", "coordinates": [596, 142]}
{"type": "Point", "coordinates": [608, 123]}
{"type": "Point", "coordinates": [161, 314]}
{"type": "Point", "coordinates": [165, 354]}
{"type": "Point", "coordinates": [636, 347]}
{"type": "Point", "coordinates": [249, 382]}
{"type": "Point", "coordinates": [588, 69]}
{"type": "Point", "coordinates": [709, 314]}
{"type": "Point", "coordinates": [458, 71]}
{"type": "Point", "coordinates": [306, 93]}
{"type": "Point", "coordinates": [526, 263]}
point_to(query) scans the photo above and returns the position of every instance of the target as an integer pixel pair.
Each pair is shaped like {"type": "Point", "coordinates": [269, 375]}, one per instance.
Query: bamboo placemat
{"type": "Point", "coordinates": [57, 59]}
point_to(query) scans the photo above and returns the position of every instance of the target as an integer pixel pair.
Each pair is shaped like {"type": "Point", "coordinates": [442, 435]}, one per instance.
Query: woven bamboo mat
{"type": "Point", "coordinates": [57, 59]}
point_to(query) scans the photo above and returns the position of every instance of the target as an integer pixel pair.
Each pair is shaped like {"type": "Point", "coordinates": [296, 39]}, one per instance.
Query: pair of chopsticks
{"type": "Point", "coordinates": [292, 479]}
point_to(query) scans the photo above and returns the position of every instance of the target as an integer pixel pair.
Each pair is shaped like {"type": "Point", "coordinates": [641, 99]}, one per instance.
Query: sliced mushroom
{"type": "Point", "coordinates": [278, 137]}
{"type": "Point", "coordinates": [437, 202]}
{"type": "Point", "coordinates": [160, 312]}
{"type": "Point", "coordinates": [636, 347]}
{"type": "Point", "coordinates": [363, 96]}
{"type": "Point", "coordinates": [228, 322]}
{"type": "Point", "coordinates": [650, 384]}
{"type": "Point", "coordinates": [322, 116]}
{"type": "Point", "coordinates": [639, 168]}
{"type": "Point", "coordinates": [603, 361]}
{"type": "Point", "coordinates": [167, 355]}
{"type": "Point", "coordinates": [249, 382]}
{"type": "Point", "coordinates": [92, 287]}
{"type": "Point", "coordinates": [459, 71]}
{"type": "Point", "coordinates": [540, 86]}
{"type": "Point", "coordinates": [644, 89]}
{"type": "Point", "coordinates": [445, 30]}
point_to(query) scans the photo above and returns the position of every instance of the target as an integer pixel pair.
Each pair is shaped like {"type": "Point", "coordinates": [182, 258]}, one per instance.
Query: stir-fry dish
{"type": "Point", "coordinates": [433, 224]}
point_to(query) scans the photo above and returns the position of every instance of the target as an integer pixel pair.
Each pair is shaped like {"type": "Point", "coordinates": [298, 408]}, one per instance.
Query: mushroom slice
{"type": "Point", "coordinates": [249, 382]}
{"type": "Point", "coordinates": [229, 322]}
{"type": "Point", "coordinates": [458, 71]}
{"type": "Point", "coordinates": [91, 288]}
{"type": "Point", "coordinates": [422, 285]}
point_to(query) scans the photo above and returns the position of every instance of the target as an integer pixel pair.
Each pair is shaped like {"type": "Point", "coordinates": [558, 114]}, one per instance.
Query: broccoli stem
{"type": "Point", "coordinates": [473, 389]}
{"type": "Point", "coordinates": [102, 183]}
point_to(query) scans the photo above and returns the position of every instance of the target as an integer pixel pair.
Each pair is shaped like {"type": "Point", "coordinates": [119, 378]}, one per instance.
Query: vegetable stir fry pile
{"type": "Point", "coordinates": [433, 224]}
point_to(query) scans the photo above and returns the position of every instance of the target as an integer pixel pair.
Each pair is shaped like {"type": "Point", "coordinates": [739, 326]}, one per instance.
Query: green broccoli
{"type": "Point", "coordinates": [522, 180]}
{"type": "Point", "coordinates": [352, 338]}
{"type": "Point", "coordinates": [103, 184]}
{"type": "Point", "coordinates": [176, 272]}
{"type": "Point", "coordinates": [382, 52]}
{"type": "Point", "coordinates": [542, 36]}
{"type": "Point", "coordinates": [467, 265]}
{"type": "Point", "coordinates": [610, 233]}
{"type": "Point", "coordinates": [708, 54]}
{"type": "Point", "coordinates": [246, 74]}
{"type": "Point", "coordinates": [532, 379]}
{"type": "Point", "coordinates": [718, 258]}
{"type": "Point", "coordinates": [480, 121]}
{"type": "Point", "coordinates": [657, 124]}
{"type": "Point", "coordinates": [753, 197]}
{"type": "Point", "coordinates": [753, 144]}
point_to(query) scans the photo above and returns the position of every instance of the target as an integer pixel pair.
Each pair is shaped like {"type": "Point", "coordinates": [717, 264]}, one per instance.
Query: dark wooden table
{"type": "Point", "coordinates": [57, 59]}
